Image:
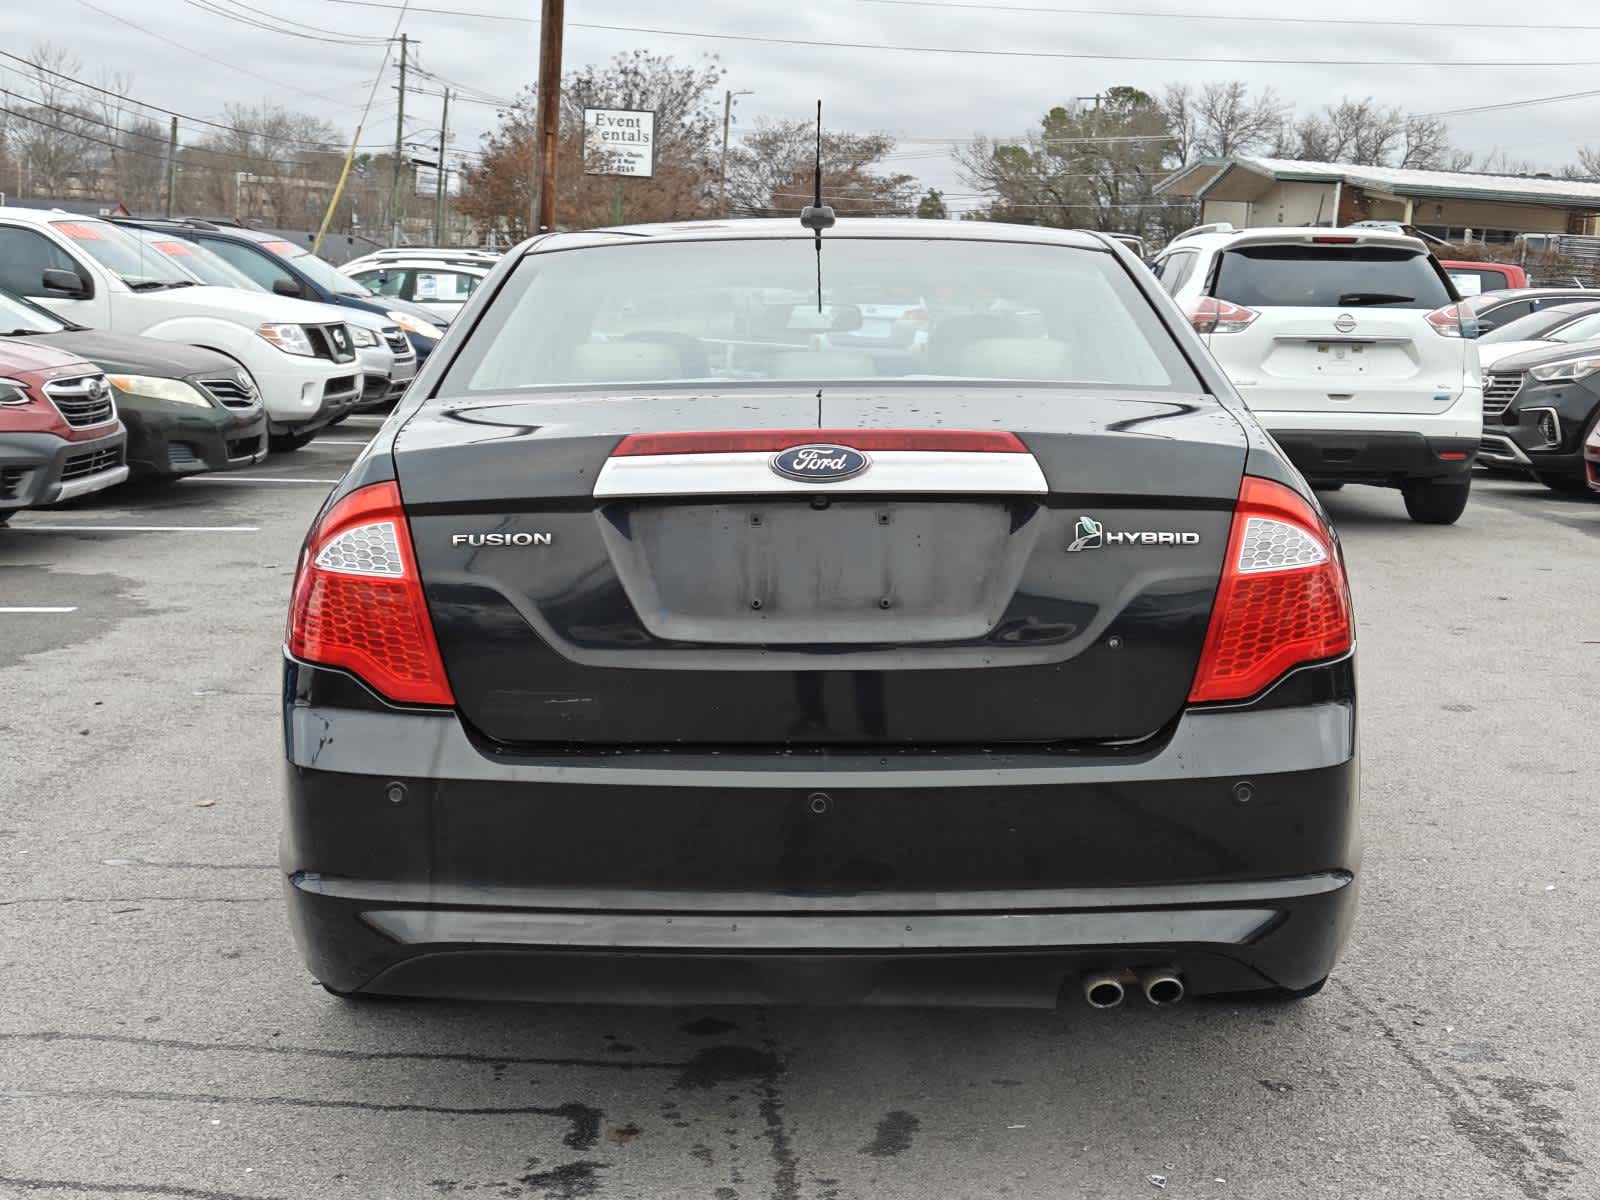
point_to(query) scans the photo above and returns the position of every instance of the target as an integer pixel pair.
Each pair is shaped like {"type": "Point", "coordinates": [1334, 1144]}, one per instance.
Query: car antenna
{"type": "Point", "coordinates": [817, 216]}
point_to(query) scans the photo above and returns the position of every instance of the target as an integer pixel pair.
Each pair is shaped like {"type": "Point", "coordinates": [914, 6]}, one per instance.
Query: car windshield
{"type": "Point", "coordinates": [1584, 329]}
{"type": "Point", "coordinates": [124, 255]}
{"type": "Point", "coordinates": [747, 311]}
{"type": "Point", "coordinates": [1301, 276]}
{"type": "Point", "coordinates": [1532, 328]}
{"type": "Point", "coordinates": [203, 264]}
{"type": "Point", "coordinates": [319, 271]}
{"type": "Point", "coordinates": [18, 316]}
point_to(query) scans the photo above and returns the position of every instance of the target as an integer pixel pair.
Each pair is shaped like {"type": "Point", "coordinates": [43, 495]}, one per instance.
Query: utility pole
{"type": "Point", "coordinates": [439, 181]}
{"type": "Point", "coordinates": [727, 123]}
{"type": "Point", "coordinates": [399, 135]}
{"type": "Point", "coordinates": [547, 118]}
{"type": "Point", "coordinates": [172, 165]}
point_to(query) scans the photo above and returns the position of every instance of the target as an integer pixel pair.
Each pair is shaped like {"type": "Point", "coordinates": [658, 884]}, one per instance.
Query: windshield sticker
{"type": "Point", "coordinates": [175, 249]}
{"type": "Point", "coordinates": [281, 247]}
{"type": "Point", "coordinates": [81, 233]}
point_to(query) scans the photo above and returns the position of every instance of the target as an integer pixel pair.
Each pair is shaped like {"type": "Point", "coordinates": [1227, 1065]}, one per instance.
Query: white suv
{"type": "Point", "coordinates": [301, 356]}
{"type": "Point", "coordinates": [1349, 346]}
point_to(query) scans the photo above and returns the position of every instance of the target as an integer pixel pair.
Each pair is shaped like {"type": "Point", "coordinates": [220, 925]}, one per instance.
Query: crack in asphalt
{"type": "Point", "coordinates": [125, 1189]}
{"type": "Point", "coordinates": [490, 1060]}
{"type": "Point", "coordinates": [1532, 1158]}
{"type": "Point", "coordinates": [786, 1163]}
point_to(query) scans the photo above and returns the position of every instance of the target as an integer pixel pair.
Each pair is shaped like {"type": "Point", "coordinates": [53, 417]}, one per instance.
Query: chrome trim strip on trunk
{"type": "Point", "coordinates": [746, 473]}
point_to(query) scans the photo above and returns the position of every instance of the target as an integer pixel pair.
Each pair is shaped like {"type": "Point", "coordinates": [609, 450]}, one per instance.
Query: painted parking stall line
{"type": "Point", "coordinates": [256, 479]}
{"type": "Point", "coordinates": [30, 528]}
{"type": "Point", "coordinates": [37, 608]}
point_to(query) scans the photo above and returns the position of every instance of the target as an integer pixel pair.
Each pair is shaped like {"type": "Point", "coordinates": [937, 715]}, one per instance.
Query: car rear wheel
{"type": "Point", "coordinates": [283, 443]}
{"type": "Point", "coordinates": [1432, 503]}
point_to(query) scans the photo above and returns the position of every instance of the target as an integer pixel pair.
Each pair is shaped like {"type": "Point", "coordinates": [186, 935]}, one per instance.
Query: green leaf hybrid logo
{"type": "Point", "coordinates": [1091, 534]}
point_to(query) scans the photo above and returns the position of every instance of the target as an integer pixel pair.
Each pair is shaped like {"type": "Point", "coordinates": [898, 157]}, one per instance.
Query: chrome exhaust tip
{"type": "Point", "coordinates": [1161, 987]}
{"type": "Point", "coordinates": [1103, 990]}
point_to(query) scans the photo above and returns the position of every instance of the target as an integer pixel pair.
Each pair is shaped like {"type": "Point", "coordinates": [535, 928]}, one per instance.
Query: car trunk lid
{"type": "Point", "coordinates": [585, 592]}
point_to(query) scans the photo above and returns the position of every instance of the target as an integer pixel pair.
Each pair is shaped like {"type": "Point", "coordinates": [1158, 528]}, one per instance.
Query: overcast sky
{"type": "Point", "coordinates": [915, 95]}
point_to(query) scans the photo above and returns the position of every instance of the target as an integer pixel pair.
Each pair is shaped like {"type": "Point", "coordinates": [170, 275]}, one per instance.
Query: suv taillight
{"type": "Point", "coordinates": [1209, 315]}
{"type": "Point", "coordinates": [1453, 320]}
{"type": "Point", "coordinates": [1282, 600]}
{"type": "Point", "coordinates": [358, 601]}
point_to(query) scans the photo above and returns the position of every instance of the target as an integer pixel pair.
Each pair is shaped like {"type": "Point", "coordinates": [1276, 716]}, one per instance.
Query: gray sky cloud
{"type": "Point", "coordinates": [917, 95]}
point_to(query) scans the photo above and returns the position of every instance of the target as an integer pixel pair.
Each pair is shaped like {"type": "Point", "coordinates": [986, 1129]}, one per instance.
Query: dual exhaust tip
{"type": "Point", "coordinates": [1161, 986]}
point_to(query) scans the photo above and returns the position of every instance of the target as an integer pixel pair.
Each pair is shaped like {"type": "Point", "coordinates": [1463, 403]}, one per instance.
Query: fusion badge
{"type": "Point", "coordinates": [1092, 534]}
{"type": "Point", "coordinates": [820, 463]}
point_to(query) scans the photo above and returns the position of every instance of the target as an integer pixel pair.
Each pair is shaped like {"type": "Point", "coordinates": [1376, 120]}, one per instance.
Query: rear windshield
{"type": "Point", "coordinates": [747, 311]}
{"type": "Point", "coordinates": [1330, 277]}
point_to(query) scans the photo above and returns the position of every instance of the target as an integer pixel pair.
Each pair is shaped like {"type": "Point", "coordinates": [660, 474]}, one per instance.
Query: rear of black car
{"type": "Point", "coordinates": [661, 652]}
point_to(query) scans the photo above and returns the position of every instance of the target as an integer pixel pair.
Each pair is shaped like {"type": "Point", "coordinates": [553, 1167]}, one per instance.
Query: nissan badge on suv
{"type": "Point", "coordinates": [657, 649]}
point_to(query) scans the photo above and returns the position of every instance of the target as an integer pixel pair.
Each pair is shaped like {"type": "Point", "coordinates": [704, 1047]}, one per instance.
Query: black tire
{"type": "Point", "coordinates": [340, 418]}
{"type": "Point", "coordinates": [5, 515]}
{"type": "Point", "coordinates": [1567, 485]}
{"type": "Point", "coordinates": [285, 443]}
{"type": "Point", "coordinates": [1434, 503]}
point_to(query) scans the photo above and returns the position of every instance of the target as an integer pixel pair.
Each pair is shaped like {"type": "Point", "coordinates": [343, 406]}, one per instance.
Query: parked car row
{"type": "Point", "coordinates": [163, 348]}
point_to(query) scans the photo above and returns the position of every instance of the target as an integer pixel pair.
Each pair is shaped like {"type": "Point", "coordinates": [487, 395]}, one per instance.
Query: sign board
{"type": "Point", "coordinates": [619, 141]}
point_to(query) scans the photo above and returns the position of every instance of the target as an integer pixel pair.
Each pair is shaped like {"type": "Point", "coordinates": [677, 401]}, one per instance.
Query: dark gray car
{"type": "Point", "coordinates": [659, 649]}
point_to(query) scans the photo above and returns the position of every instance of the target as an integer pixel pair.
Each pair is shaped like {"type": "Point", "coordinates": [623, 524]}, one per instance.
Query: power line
{"type": "Point", "coordinates": [1505, 104]}
{"type": "Point", "coordinates": [1191, 15]}
{"type": "Point", "coordinates": [232, 66]}
{"type": "Point", "coordinates": [192, 120]}
{"type": "Point", "coordinates": [310, 33]}
{"type": "Point", "coordinates": [967, 50]}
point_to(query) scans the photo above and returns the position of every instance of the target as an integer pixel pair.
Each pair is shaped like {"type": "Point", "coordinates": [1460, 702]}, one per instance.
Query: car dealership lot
{"type": "Point", "coordinates": [159, 1036]}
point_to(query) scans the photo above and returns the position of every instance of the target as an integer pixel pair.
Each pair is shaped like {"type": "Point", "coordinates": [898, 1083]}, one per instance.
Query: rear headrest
{"type": "Point", "coordinates": [1017, 358]}
{"type": "Point", "coordinates": [625, 362]}
{"type": "Point", "coordinates": [950, 338]}
{"type": "Point", "coordinates": [822, 364]}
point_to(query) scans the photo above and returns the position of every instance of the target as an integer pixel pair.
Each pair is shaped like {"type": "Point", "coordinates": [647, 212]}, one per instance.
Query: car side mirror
{"type": "Point", "coordinates": [64, 282]}
{"type": "Point", "coordinates": [287, 287]}
{"type": "Point", "coordinates": [1484, 326]}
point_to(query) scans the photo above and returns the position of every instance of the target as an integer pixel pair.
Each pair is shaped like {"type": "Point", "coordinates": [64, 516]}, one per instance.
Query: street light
{"type": "Point", "coordinates": [727, 122]}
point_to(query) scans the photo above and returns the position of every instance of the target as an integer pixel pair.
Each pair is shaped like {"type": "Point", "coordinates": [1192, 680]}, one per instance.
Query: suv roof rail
{"type": "Point", "coordinates": [1214, 227]}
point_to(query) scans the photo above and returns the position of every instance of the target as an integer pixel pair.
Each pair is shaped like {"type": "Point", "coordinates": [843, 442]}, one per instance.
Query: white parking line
{"type": "Point", "coordinates": [252, 479]}
{"type": "Point", "coordinates": [43, 608]}
{"type": "Point", "coordinates": [333, 442]}
{"type": "Point", "coordinates": [31, 528]}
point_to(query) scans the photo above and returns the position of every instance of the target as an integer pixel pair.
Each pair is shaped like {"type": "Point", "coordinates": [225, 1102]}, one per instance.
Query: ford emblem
{"type": "Point", "coordinates": [820, 463]}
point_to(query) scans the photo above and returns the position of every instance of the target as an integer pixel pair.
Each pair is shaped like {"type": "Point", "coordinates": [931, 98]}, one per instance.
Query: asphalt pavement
{"type": "Point", "coordinates": [160, 1038]}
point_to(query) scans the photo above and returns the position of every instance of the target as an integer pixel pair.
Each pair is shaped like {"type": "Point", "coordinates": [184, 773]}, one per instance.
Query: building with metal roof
{"type": "Point", "coordinates": [1458, 206]}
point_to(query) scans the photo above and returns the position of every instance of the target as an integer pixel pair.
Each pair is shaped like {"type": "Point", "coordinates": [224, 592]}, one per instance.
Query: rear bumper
{"type": "Point", "coordinates": [418, 862]}
{"type": "Point", "coordinates": [32, 466]}
{"type": "Point", "coordinates": [1365, 457]}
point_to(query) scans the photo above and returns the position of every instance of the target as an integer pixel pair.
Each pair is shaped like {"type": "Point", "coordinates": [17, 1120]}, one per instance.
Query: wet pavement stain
{"type": "Point", "coordinates": [566, 1182]}
{"type": "Point", "coordinates": [709, 1027]}
{"type": "Point", "coordinates": [893, 1135]}
{"type": "Point", "coordinates": [727, 1064]}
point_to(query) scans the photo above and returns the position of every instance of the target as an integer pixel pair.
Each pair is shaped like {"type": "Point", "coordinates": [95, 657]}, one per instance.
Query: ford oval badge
{"type": "Point", "coordinates": [820, 463]}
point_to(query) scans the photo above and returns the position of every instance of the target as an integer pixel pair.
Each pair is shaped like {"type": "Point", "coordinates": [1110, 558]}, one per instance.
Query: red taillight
{"type": "Point", "coordinates": [1453, 320]}
{"type": "Point", "coordinates": [980, 441]}
{"type": "Point", "coordinates": [358, 600]}
{"type": "Point", "coordinates": [1210, 315]}
{"type": "Point", "coordinates": [1282, 599]}
{"type": "Point", "coordinates": [1329, 240]}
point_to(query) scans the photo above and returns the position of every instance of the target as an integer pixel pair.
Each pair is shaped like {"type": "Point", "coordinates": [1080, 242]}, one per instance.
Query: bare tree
{"type": "Point", "coordinates": [1228, 120]}
{"type": "Point", "coordinates": [269, 164]}
{"type": "Point", "coordinates": [54, 139]}
{"type": "Point", "coordinates": [1425, 144]}
{"type": "Point", "coordinates": [772, 171]}
{"type": "Point", "coordinates": [1589, 161]}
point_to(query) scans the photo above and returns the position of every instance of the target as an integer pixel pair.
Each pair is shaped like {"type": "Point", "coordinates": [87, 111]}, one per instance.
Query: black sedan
{"type": "Point", "coordinates": [187, 410]}
{"type": "Point", "coordinates": [658, 650]}
{"type": "Point", "coordinates": [1538, 409]}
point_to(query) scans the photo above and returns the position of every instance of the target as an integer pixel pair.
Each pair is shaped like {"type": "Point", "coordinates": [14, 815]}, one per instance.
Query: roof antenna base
{"type": "Point", "coordinates": [817, 217]}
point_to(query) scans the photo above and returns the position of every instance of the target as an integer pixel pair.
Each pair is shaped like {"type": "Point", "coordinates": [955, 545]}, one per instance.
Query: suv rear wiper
{"type": "Point", "coordinates": [1373, 298]}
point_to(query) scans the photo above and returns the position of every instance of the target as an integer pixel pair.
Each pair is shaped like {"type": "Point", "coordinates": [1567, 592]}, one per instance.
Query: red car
{"type": "Point", "coordinates": [1472, 278]}
{"type": "Point", "coordinates": [59, 433]}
